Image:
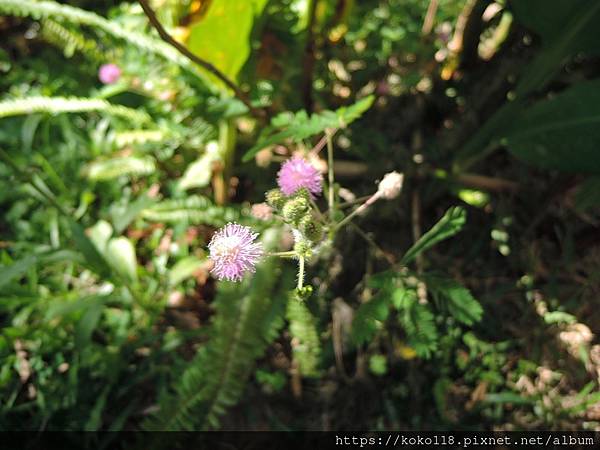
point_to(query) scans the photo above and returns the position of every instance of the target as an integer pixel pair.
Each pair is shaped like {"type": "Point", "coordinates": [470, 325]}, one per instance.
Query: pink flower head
{"type": "Point", "coordinates": [297, 173]}
{"type": "Point", "coordinates": [234, 251]}
{"type": "Point", "coordinates": [109, 73]}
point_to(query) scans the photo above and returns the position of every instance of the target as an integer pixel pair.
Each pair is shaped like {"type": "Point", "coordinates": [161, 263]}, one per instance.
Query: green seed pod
{"type": "Point", "coordinates": [310, 228]}
{"type": "Point", "coordinates": [275, 198]}
{"type": "Point", "coordinates": [294, 209]}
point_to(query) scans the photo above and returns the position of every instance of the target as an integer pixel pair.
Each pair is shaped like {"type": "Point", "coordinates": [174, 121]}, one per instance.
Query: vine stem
{"type": "Point", "coordinates": [331, 179]}
{"type": "Point", "coordinates": [197, 60]}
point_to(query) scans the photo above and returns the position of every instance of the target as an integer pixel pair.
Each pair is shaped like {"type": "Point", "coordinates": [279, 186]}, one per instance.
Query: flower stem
{"type": "Point", "coordinates": [372, 199]}
{"type": "Point", "coordinates": [300, 271]}
{"type": "Point", "coordinates": [354, 202]}
{"type": "Point", "coordinates": [316, 208]}
{"type": "Point", "coordinates": [290, 254]}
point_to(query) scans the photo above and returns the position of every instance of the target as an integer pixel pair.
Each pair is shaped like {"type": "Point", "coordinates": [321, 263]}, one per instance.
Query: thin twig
{"type": "Point", "coordinates": [331, 179]}
{"type": "Point", "coordinates": [378, 250]}
{"type": "Point", "coordinates": [429, 21]}
{"type": "Point", "coordinates": [355, 201]}
{"type": "Point", "coordinates": [201, 62]}
{"type": "Point", "coordinates": [308, 60]}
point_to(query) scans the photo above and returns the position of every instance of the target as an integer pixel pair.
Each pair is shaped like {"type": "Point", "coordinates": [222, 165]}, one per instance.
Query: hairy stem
{"type": "Point", "coordinates": [372, 199]}
{"type": "Point", "coordinates": [300, 271]}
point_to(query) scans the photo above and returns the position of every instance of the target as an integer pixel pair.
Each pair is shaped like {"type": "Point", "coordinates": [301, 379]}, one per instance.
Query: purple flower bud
{"type": "Point", "coordinates": [297, 173]}
{"type": "Point", "coordinates": [109, 73]}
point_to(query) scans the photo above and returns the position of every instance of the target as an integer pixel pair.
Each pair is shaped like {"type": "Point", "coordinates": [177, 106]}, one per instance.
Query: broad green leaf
{"type": "Point", "coordinates": [545, 17]}
{"type": "Point", "coordinates": [184, 268]}
{"type": "Point", "coordinates": [199, 172]}
{"type": "Point", "coordinates": [99, 234]}
{"type": "Point", "coordinates": [123, 216]}
{"type": "Point", "coordinates": [299, 126]}
{"type": "Point", "coordinates": [93, 257]}
{"type": "Point", "coordinates": [121, 254]}
{"type": "Point", "coordinates": [16, 270]}
{"type": "Point", "coordinates": [561, 133]}
{"type": "Point", "coordinates": [577, 34]}
{"type": "Point", "coordinates": [88, 322]}
{"type": "Point", "coordinates": [448, 226]}
{"type": "Point", "coordinates": [222, 36]}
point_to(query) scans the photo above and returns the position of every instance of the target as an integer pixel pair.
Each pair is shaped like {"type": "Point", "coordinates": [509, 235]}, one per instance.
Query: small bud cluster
{"type": "Point", "coordinates": [297, 212]}
{"type": "Point", "coordinates": [233, 249]}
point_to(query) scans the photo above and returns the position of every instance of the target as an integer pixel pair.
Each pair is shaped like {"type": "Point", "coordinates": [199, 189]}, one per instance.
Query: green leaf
{"type": "Point", "coordinates": [378, 365]}
{"type": "Point", "coordinates": [123, 216]}
{"type": "Point", "coordinates": [458, 299]}
{"type": "Point", "coordinates": [546, 16]}
{"type": "Point", "coordinates": [577, 34]}
{"type": "Point", "coordinates": [561, 133]}
{"type": "Point", "coordinates": [419, 324]}
{"type": "Point", "coordinates": [121, 254]}
{"type": "Point", "coordinates": [99, 234]}
{"type": "Point", "coordinates": [303, 329]}
{"type": "Point", "coordinates": [194, 209]}
{"type": "Point", "coordinates": [448, 226]}
{"type": "Point", "coordinates": [199, 172]}
{"type": "Point", "coordinates": [109, 169]}
{"type": "Point", "coordinates": [299, 126]}
{"type": "Point", "coordinates": [370, 316]}
{"type": "Point", "coordinates": [184, 268]}
{"type": "Point", "coordinates": [93, 257]}
{"type": "Point", "coordinates": [55, 105]}
{"type": "Point", "coordinates": [88, 322]}
{"type": "Point", "coordinates": [16, 270]}
{"type": "Point", "coordinates": [222, 36]}
{"type": "Point", "coordinates": [507, 397]}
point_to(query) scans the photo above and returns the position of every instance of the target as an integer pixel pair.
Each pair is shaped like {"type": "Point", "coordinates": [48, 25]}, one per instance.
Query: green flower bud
{"type": "Point", "coordinates": [275, 198]}
{"type": "Point", "coordinates": [310, 228]}
{"type": "Point", "coordinates": [302, 193]}
{"type": "Point", "coordinates": [302, 248]}
{"type": "Point", "coordinates": [294, 209]}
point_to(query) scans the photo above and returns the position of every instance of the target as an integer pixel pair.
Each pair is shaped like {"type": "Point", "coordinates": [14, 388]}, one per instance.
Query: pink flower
{"type": "Point", "coordinates": [261, 211]}
{"type": "Point", "coordinates": [297, 173]}
{"type": "Point", "coordinates": [109, 73]}
{"type": "Point", "coordinates": [234, 252]}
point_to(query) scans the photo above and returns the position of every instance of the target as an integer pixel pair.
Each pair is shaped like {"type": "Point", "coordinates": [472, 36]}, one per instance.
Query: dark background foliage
{"type": "Point", "coordinates": [110, 318]}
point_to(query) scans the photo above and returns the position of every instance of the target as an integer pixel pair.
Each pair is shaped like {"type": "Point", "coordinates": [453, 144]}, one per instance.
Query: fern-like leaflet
{"type": "Point", "coordinates": [55, 105]}
{"type": "Point", "coordinates": [248, 316]}
{"type": "Point", "coordinates": [52, 10]}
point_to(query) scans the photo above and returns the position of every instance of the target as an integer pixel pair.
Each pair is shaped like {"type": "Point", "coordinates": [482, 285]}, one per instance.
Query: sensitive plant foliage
{"type": "Point", "coordinates": [234, 252]}
{"type": "Point", "coordinates": [297, 173]}
{"type": "Point", "coordinates": [93, 310]}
